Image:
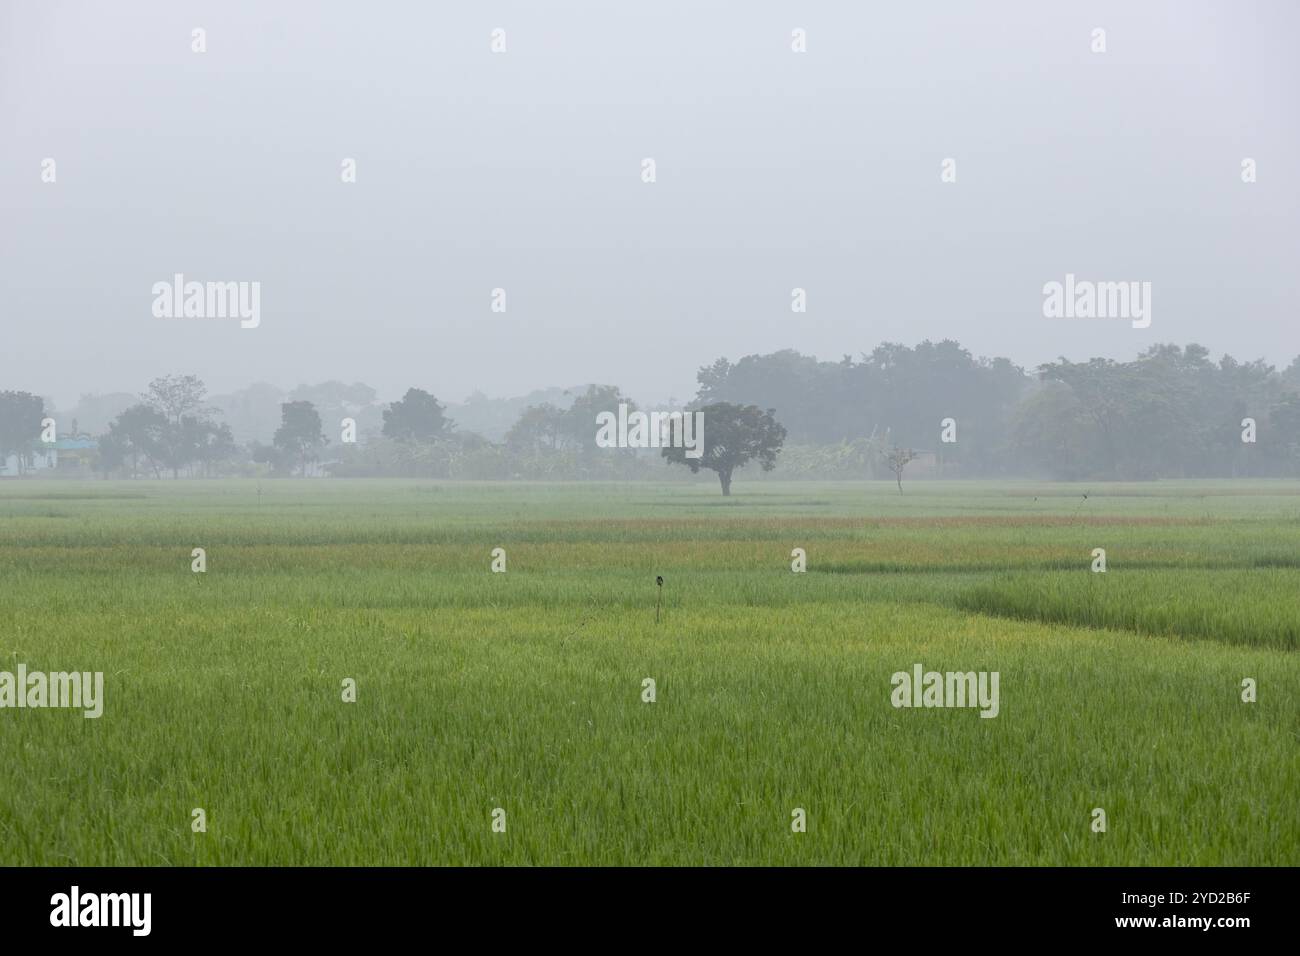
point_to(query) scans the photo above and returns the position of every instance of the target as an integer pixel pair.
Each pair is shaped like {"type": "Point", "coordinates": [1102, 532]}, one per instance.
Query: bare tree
{"type": "Point", "coordinates": [897, 459]}
{"type": "Point", "coordinates": [177, 396]}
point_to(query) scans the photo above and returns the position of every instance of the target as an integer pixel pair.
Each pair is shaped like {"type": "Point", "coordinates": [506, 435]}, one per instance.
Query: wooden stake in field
{"type": "Point", "coordinates": [659, 583]}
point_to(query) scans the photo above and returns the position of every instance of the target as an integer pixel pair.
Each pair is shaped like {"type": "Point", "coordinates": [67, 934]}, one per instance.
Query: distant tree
{"type": "Point", "coordinates": [299, 434]}
{"type": "Point", "coordinates": [417, 417]}
{"type": "Point", "coordinates": [538, 429]}
{"type": "Point", "coordinates": [896, 459]}
{"type": "Point", "coordinates": [176, 444]}
{"type": "Point", "coordinates": [810, 394]}
{"type": "Point", "coordinates": [111, 455]}
{"type": "Point", "coordinates": [20, 424]}
{"type": "Point", "coordinates": [180, 399]}
{"type": "Point", "coordinates": [578, 427]}
{"type": "Point", "coordinates": [1051, 431]}
{"type": "Point", "coordinates": [1101, 388]}
{"type": "Point", "coordinates": [140, 431]}
{"type": "Point", "coordinates": [210, 443]}
{"type": "Point", "coordinates": [734, 435]}
{"type": "Point", "coordinates": [253, 413]}
{"type": "Point", "coordinates": [335, 394]}
{"type": "Point", "coordinates": [1169, 413]}
{"type": "Point", "coordinates": [177, 396]}
{"type": "Point", "coordinates": [335, 401]}
{"type": "Point", "coordinates": [1291, 375]}
{"type": "Point", "coordinates": [281, 462]}
{"type": "Point", "coordinates": [912, 388]}
{"type": "Point", "coordinates": [94, 412]}
{"type": "Point", "coordinates": [1284, 424]}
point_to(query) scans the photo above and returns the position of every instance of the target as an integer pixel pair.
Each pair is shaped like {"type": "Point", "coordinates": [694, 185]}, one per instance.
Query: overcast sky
{"type": "Point", "coordinates": [522, 170]}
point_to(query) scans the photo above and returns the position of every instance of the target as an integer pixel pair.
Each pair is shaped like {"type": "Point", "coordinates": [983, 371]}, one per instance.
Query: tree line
{"type": "Point", "coordinates": [1171, 412]}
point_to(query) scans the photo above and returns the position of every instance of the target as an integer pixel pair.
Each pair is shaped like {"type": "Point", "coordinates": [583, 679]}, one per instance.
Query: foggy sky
{"type": "Point", "coordinates": [522, 171]}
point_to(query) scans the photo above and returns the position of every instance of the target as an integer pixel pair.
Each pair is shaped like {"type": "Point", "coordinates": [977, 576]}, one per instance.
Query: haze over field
{"type": "Point", "coordinates": [573, 433]}
{"type": "Point", "coordinates": [522, 171]}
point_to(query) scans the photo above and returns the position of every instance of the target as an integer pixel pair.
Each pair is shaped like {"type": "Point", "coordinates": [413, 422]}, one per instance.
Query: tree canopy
{"type": "Point", "coordinates": [733, 436]}
{"type": "Point", "coordinates": [418, 416]}
{"type": "Point", "coordinates": [20, 424]}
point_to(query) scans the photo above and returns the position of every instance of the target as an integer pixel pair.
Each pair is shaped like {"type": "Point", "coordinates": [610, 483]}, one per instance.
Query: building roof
{"type": "Point", "coordinates": [38, 447]}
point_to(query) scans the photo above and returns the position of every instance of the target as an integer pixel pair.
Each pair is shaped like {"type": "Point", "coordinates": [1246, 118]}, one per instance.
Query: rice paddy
{"type": "Point", "coordinates": [525, 691]}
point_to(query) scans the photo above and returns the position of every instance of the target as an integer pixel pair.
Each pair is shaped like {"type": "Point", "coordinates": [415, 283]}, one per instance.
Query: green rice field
{"type": "Point", "coordinates": [523, 691]}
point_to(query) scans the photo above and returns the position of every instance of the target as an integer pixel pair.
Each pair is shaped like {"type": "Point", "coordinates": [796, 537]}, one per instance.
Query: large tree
{"type": "Point", "coordinates": [733, 436]}
{"type": "Point", "coordinates": [181, 400]}
{"type": "Point", "coordinates": [299, 435]}
{"type": "Point", "coordinates": [417, 417]}
{"type": "Point", "coordinates": [20, 424]}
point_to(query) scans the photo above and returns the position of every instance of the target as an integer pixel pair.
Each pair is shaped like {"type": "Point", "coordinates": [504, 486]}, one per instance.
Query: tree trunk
{"type": "Point", "coordinates": [725, 478]}
{"type": "Point", "coordinates": [898, 476]}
